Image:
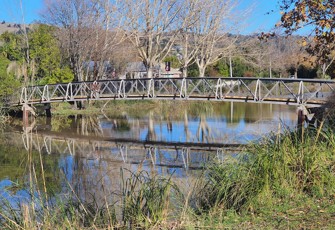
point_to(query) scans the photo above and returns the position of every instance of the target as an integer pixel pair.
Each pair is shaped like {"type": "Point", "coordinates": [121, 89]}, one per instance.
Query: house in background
{"type": "Point", "coordinates": [99, 70]}
{"type": "Point", "coordinates": [136, 70]}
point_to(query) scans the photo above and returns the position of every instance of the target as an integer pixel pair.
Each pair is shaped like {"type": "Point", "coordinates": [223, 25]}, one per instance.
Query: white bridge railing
{"type": "Point", "coordinates": [135, 152]}
{"type": "Point", "coordinates": [310, 92]}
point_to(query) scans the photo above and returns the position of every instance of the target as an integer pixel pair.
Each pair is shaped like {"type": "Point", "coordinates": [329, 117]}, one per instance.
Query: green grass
{"type": "Point", "coordinates": [287, 181]}
{"type": "Point", "coordinates": [299, 212]}
{"type": "Point", "coordinates": [143, 201]}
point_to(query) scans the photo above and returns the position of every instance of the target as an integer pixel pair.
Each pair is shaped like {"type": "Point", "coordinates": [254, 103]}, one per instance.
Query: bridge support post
{"type": "Point", "coordinates": [301, 119]}
{"type": "Point", "coordinates": [26, 110]}
{"type": "Point", "coordinates": [303, 115]}
{"type": "Point", "coordinates": [47, 108]}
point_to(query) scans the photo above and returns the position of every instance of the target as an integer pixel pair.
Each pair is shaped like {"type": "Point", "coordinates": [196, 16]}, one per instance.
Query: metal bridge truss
{"type": "Point", "coordinates": [307, 92]}
{"type": "Point", "coordinates": [176, 155]}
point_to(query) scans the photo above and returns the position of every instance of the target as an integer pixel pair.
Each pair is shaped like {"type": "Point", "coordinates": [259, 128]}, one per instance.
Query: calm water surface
{"type": "Point", "coordinates": [91, 154]}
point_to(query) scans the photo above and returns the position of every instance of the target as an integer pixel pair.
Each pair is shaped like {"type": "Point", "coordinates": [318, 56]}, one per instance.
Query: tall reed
{"type": "Point", "coordinates": [281, 167]}
{"type": "Point", "coordinates": [146, 199]}
{"type": "Point", "coordinates": [143, 201]}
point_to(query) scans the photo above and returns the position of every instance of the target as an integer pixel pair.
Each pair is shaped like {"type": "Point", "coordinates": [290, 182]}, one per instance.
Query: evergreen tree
{"type": "Point", "coordinates": [45, 52]}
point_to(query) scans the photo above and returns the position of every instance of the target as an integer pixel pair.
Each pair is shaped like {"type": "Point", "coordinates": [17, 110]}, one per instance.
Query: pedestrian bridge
{"type": "Point", "coordinates": [306, 92]}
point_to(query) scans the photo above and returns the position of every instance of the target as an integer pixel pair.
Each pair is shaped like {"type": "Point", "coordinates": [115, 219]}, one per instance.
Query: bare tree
{"type": "Point", "coordinates": [326, 63]}
{"type": "Point", "coordinates": [293, 54]}
{"type": "Point", "coordinates": [252, 52]}
{"type": "Point", "coordinates": [187, 37]}
{"type": "Point", "coordinates": [213, 30]}
{"type": "Point", "coordinates": [152, 26]}
{"type": "Point", "coordinates": [87, 31]}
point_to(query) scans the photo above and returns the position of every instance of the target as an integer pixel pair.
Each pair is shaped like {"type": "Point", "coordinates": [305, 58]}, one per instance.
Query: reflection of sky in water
{"type": "Point", "coordinates": [212, 130]}
{"type": "Point", "coordinates": [13, 198]}
{"type": "Point", "coordinates": [254, 122]}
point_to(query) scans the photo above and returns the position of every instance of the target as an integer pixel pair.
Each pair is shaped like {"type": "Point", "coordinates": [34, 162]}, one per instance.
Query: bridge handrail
{"type": "Point", "coordinates": [197, 78]}
{"type": "Point", "coordinates": [241, 89]}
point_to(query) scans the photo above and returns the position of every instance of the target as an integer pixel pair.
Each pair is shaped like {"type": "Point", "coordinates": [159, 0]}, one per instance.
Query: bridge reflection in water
{"type": "Point", "coordinates": [95, 167]}
{"type": "Point", "coordinates": [155, 153]}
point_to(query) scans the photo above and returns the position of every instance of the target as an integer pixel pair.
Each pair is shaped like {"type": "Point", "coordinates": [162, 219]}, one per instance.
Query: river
{"type": "Point", "coordinates": [92, 155]}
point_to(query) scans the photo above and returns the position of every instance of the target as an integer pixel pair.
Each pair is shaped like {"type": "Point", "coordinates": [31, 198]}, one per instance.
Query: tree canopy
{"type": "Point", "coordinates": [45, 63]}
{"type": "Point", "coordinates": [47, 57]}
{"type": "Point", "coordinates": [317, 15]}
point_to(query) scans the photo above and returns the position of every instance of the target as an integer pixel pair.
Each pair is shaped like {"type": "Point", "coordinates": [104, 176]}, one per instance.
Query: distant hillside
{"type": "Point", "coordinates": [11, 27]}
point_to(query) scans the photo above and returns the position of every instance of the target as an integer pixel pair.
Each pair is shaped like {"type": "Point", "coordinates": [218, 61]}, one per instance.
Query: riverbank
{"type": "Point", "coordinates": [287, 182]}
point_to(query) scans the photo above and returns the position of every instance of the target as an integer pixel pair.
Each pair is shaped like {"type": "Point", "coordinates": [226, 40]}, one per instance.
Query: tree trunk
{"type": "Point", "coordinates": [184, 71]}
{"type": "Point", "coordinates": [151, 130]}
{"type": "Point", "coordinates": [202, 70]}
{"type": "Point", "coordinates": [150, 72]}
{"type": "Point", "coordinates": [324, 69]}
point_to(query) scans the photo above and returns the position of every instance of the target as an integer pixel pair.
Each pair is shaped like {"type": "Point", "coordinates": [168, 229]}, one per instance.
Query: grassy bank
{"type": "Point", "coordinates": [287, 181]}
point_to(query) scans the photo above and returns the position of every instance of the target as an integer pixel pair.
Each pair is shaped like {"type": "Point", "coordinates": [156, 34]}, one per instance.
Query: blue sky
{"type": "Point", "coordinates": [263, 15]}
{"type": "Point", "coordinates": [11, 11]}
{"type": "Point", "coordinates": [257, 20]}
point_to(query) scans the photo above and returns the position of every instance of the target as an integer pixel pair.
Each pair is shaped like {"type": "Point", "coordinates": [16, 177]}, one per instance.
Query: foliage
{"type": "Point", "coordinates": [145, 198]}
{"type": "Point", "coordinates": [192, 70]}
{"type": "Point", "coordinates": [239, 67]}
{"type": "Point", "coordinates": [317, 15]}
{"type": "Point", "coordinates": [8, 84]}
{"type": "Point", "coordinates": [287, 181]}
{"type": "Point", "coordinates": [12, 46]}
{"type": "Point", "coordinates": [307, 72]}
{"type": "Point", "coordinates": [42, 61]}
{"type": "Point", "coordinates": [222, 68]}
{"type": "Point", "coordinates": [46, 54]}
{"type": "Point", "coordinates": [58, 75]}
{"type": "Point", "coordinates": [174, 61]}
{"type": "Point", "coordinates": [143, 203]}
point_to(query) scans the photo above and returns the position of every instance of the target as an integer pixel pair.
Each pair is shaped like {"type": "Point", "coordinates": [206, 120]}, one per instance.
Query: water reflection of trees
{"type": "Point", "coordinates": [231, 114]}
{"type": "Point", "coordinates": [17, 164]}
